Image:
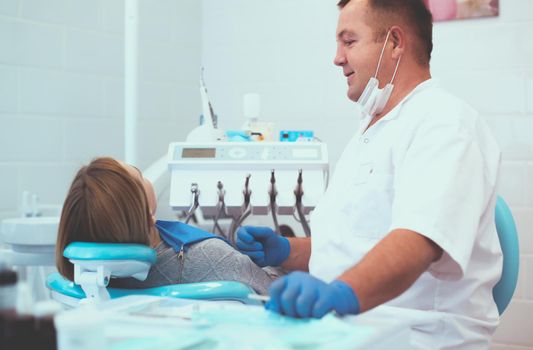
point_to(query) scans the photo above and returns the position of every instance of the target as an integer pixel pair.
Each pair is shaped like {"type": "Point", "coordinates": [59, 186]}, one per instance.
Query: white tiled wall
{"type": "Point", "coordinates": [62, 94]}
{"type": "Point", "coordinates": [284, 50]}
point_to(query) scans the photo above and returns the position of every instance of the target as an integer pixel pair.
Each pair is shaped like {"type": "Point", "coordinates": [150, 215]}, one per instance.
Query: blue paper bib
{"type": "Point", "coordinates": [179, 235]}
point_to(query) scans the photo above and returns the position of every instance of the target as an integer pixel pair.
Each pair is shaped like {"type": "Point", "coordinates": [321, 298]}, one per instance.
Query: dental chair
{"type": "Point", "coordinates": [508, 236]}
{"type": "Point", "coordinates": [96, 263]}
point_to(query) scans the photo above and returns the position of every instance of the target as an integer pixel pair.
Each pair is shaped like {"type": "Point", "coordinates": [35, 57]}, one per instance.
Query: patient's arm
{"type": "Point", "coordinates": [211, 260]}
{"type": "Point", "coordinates": [214, 259]}
{"type": "Point", "coordinates": [208, 260]}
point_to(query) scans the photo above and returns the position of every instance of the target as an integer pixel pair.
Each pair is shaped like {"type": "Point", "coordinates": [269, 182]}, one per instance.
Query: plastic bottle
{"type": "Point", "coordinates": [257, 130]}
{"type": "Point", "coordinates": [251, 107]}
{"type": "Point", "coordinates": [25, 205]}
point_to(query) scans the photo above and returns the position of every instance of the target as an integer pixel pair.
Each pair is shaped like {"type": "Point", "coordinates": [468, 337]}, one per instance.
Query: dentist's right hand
{"type": "Point", "coordinates": [263, 245]}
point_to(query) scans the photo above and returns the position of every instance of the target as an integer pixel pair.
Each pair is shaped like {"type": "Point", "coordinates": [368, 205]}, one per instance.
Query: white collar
{"type": "Point", "coordinates": [393, 113]}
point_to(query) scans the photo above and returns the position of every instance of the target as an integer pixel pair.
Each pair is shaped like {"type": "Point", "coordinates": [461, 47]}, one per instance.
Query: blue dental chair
{"type": "Point", "coordinates": [508, 236]}
{"type": "Point", "coordinates": [96, 263]}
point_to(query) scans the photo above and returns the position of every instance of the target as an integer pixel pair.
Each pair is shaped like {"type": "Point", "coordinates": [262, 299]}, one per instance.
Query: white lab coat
{"type": "Point", "coordinates": [430, 166]}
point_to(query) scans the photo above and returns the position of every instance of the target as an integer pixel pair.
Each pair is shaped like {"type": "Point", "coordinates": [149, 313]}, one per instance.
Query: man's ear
{"type": "Point", "coordinates": [397, 35]}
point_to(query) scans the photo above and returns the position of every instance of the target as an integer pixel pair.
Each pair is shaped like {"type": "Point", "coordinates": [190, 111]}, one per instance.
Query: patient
{"type": "Point", "coordinates": [110, 202]}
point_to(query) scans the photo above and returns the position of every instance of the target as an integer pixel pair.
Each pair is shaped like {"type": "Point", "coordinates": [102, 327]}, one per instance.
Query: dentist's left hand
{"type": "Point", "coordinates": [264, 246]}
{"type": "Point", "coordinates": [301, 295]}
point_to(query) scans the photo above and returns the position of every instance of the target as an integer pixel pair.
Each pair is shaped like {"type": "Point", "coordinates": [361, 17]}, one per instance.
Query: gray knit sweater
{"type": "Point", "coordinates": [208, 260]}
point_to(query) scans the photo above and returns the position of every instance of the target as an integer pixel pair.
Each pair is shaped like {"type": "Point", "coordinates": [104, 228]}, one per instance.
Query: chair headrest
{"type": "Point", "coordinates": [110, 251]}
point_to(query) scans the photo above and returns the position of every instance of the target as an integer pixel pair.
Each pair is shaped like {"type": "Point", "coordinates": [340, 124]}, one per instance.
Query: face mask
{"type": "Point", "coordinates": [373, 99]}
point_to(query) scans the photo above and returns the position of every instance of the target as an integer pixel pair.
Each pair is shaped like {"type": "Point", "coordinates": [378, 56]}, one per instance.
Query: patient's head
{"type": "Point", "coordinates": [108, 202]}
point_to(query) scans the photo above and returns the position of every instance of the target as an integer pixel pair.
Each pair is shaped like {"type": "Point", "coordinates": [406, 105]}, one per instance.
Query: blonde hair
{"type": "Point", "coordinates": [104, 204]}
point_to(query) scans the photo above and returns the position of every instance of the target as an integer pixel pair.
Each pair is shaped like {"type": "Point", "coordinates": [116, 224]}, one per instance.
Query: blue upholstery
{"type": "Point", "coordinates": [508, 236]}
{"type": "Point", "coordinates": [109, 251]}
{"type": "Point", "coordinates": [108, 254]}
{"type": "Point", "coordinates": [217, 290]}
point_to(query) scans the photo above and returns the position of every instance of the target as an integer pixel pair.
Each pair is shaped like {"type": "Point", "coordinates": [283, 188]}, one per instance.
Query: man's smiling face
{"type": "Point", "coordinates": [357, 50]}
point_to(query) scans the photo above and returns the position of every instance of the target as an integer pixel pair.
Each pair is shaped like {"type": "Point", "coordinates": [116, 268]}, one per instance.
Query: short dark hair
{"type": "Point", "coordinates": [413, 12]}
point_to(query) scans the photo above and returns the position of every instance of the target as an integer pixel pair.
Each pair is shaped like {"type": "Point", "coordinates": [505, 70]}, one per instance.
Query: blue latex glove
{"type": "Point", "coordinates": [263, 245]}
{"type": "Point", "coordinates": [301, 295]}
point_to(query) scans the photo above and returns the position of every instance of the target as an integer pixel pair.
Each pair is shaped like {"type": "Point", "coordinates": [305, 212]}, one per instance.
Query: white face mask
{"type": "Point", "coordinates": [373, 99]}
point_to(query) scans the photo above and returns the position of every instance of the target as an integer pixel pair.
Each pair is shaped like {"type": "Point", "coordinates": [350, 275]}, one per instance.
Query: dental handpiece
{"type": "Point", "coordinates": [195, 192]}
{"type": "Point", "coordinates": [273, 206]}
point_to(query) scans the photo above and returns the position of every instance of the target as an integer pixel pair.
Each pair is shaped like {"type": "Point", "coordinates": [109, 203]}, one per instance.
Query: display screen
{"type": "Point", "coordinates": [198, 153]}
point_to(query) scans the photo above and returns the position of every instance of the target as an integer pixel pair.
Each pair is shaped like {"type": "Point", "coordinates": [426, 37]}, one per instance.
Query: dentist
{"type": "Point", "coordinates": [408, 217]}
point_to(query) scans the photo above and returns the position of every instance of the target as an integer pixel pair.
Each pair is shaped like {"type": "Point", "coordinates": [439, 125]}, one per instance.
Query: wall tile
{"type": "Point", "coordinates": [87, 139]}
{"type": "Point", "coordinates": [157, 100]}
{"type": "Point", "coordinates": [8, 187]}
{"type": "Point", "coordinates": [113, 16]}
{"type": "Point", "coordinates": [53, 11]}
{"type": "Point", "coordinates": [157, 135]}
{"type": "Point", "coordinates": [94, 53]}
{"type": "Point", "coordinates": [490, 92]}
{"type": "Point", "coordinates": [336, 102]}
{"type": "Point", "coordinates": [516, 10]}
{"type": "Point", "coordinates": [525, 50]}
{"type": "Point", "coordinates": [9, 7]}
{"type": "Point", "coordinates": [156, 18]}
{"type": "Point", "coordinates": [290, 95]}
{"type": "Point", "coordinates": [222, 72]}
{"type": "Point", "coordinates": [168, 63]}
{"type": "Point", "coordinates": [189, 105]}
{"type": "Point", "coordinates": [528, 186]}
{"type": "Point", "coordinates": [30, 139]}
{"type": "Point", "coordinates": [529, 92]}
{"type": "Point", "coordinates": [30, 44]}
{"type": "Point", "coordinates": [228, 29]}
{"type": "Point", "coordinates": [527, 266]}
{"type": "Point", "coordinates": [9, 39]}
{"type": "Point", "coordinates": [524, 225]}
{"type": "Point", "coordinates": [86, 14]}
{"type": "Point", "coordinates": [84, 95]}
{"type": "Point", "coordinates": [188, 20]}
{"type": "Point", "coordinates": [515, 326]}
{"type": "Point", "coordinates": [513, 136]}
{"type": "Point", "coordinates": [511, 183]}
{"type": "Point", "coordinates": [49, 182]}
{"type": "Point", "coordinates": [8, 89]}
{"type": "Point", "coordinates": [165, 100]}
{"type": "Point", "coordinates": [39, 45]}
{"type": "Point", "coordinates": [257, 63]}
{"type": "Point", "coordinates": [56, 92]}
{"type": "Point", "coordinates": [114, 97]}
{"type": "Point", "coordinates": [520, 289]}
{"type": "Point", "coordinates": [42, 91]}
{"type": "Point", "coordinates": [478, 38]}
{"type": "Point", "coordinates": [9, 214]}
